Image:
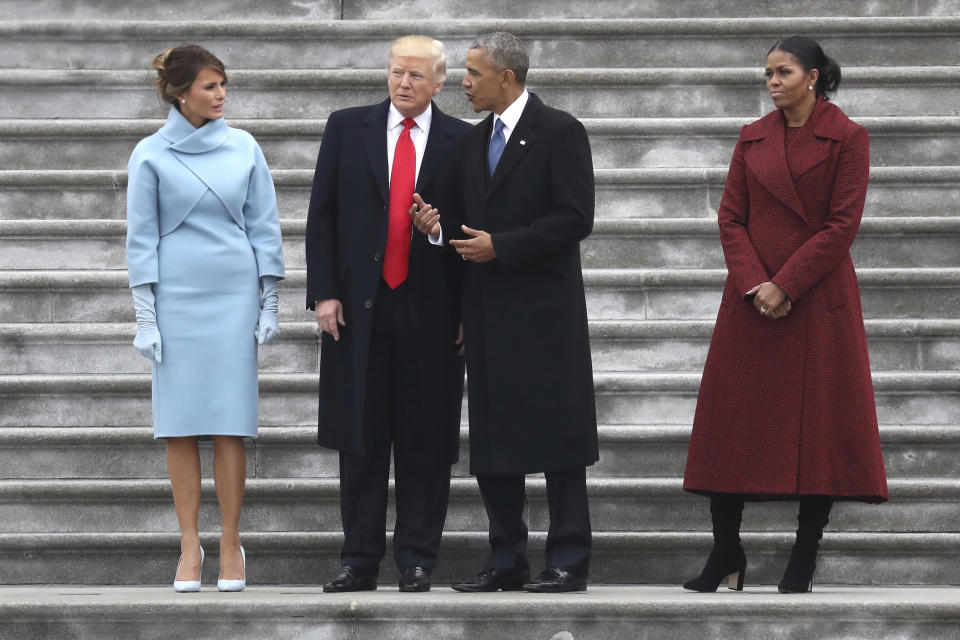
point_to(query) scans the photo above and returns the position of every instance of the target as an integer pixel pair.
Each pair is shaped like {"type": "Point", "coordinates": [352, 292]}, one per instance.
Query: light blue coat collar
{"type": "Point", "coordinates": [186, 138]}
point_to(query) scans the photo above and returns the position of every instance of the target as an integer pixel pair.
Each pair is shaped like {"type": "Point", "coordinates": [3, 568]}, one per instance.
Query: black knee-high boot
{"type": "Point", "coordinates": [726, 559]}
{"type": "Point", "coordinates": [812, 518]}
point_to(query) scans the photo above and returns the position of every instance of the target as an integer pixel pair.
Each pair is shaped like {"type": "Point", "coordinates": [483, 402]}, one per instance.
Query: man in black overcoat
{"type": "Point", "coordinates": [390, 374]}
{"type": "Point", "coordinates": [527, 200]}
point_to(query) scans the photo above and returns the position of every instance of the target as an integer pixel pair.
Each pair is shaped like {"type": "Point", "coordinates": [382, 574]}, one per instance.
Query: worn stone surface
{"type": "Point", "coordinates": [286, 613]}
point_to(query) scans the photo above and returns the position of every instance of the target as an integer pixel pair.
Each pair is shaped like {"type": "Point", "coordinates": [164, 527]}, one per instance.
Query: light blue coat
{"type": "Point", "coordinates": [171, 170]}
{"type": "Point", "coordinates": [202, 228]}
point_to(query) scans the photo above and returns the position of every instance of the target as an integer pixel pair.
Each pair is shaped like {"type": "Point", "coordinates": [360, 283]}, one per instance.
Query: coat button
{"type": "Point", "coordinates": [368, 304]}
{"type": "Point", "coordinates": [376, 257]}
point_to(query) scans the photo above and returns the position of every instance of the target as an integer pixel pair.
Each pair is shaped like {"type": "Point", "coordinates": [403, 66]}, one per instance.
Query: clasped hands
{"type": "Point", "coordinates": [770, 300]}
{"type": "Point", "coordinates": [479, 248]}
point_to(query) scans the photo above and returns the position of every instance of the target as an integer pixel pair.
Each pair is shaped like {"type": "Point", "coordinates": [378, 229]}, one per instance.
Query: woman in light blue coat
{"type": "Point", "coordinates": [204, 257]}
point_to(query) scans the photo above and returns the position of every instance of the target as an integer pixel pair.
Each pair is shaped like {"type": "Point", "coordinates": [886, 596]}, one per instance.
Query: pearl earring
{"type": "Point", "coordinates": [810, 87]}
{"type": "Point", "coordinates": [182, 101]}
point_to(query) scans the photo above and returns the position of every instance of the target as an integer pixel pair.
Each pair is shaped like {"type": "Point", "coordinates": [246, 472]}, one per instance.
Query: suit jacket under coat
{"type": "Point", "coordinates": [786, 407]}
{"type": "Point", "coordinates": [529, 373]}
{"type": "Point", "coordinates": [346, 236]}
{"type": "Point", "coordinates": [169, 172]}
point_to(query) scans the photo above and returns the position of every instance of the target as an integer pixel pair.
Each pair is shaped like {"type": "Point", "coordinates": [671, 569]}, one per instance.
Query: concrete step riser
{"type": "Point", "coordinates": [319, 510]}
{"type": "Point", "coordinates": [458, 9]}
{"type": "Point", "coordinates": [609, 150]}
{"type": "Point", "coordinates": [926, 454]}
{"type": "Point", "coordinates": [294, 354]}
{"type": "Point", "coordinates": [285, 47]}
{"type": "Point", "coordinates": [286, 613]}
{"type": "Point", "coordinates": [696, 198]}
{"type": "Point", "coordinates": [700, 250]}
{"type": "Point", "coordinates": [629, 302]}
{"type": "Point", "coordinates": [908, 407]}
{"type": "Point", "coordinates": [618, 558]}
{"type": "Point", "coordinates": [862, 98]}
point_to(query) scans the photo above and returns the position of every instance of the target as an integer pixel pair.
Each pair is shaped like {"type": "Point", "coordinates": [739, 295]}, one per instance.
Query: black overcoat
{"type": "Point", "coordinates": [529, 374]}
{"type": "Point", "coordinates": [346, 236]}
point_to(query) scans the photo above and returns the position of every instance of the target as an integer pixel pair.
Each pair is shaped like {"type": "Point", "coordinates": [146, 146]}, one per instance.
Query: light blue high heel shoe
{"type": "Point", "coordinates": [188, 586]}
{"type": "Point", "coordinates": [235, 585]}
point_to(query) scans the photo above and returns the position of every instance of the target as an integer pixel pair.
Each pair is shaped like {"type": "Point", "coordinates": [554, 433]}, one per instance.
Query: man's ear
{"type": "Point", "coordinates": [508, 77]}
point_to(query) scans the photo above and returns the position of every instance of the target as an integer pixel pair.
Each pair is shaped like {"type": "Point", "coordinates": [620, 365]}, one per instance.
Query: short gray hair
{"type": "Point", "coordinates": [505, 51]}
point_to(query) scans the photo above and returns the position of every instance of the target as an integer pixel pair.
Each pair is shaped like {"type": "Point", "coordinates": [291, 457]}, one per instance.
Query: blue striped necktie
{"type": "Point", "coordinates": [497, 143]}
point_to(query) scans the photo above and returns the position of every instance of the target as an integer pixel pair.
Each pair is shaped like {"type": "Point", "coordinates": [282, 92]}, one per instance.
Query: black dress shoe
{"type": "Point", "coordinates": [555, 580]}
{"type": "Point", "coordinates": [350, 579]}
{"type": "Point", "coordinates": [491, 579]}
{"type": "Point", "coordinates": [414, 579]}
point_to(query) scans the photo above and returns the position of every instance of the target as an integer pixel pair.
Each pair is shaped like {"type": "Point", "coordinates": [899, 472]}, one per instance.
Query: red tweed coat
{"type": "Point", "coordinates": [786, 406]}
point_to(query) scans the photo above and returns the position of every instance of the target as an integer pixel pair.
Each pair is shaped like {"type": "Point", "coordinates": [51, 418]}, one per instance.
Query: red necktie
{"type": "Point", "coordinates": [396, 259]}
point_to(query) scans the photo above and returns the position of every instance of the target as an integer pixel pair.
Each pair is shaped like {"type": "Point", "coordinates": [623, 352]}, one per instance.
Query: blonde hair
{"type": "Point", "coordinates": [421, 47]}
{"type": "Point", "coordinates": [178, 67]}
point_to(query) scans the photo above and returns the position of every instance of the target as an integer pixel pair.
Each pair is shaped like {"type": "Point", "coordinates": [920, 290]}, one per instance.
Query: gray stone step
{"type": "Point", "coordinates": [509, 11]}
{"type": "Point", "coordinates": [622, 398]}
{"type": "Point", "coordinates": [299, 504]}
{"type": "Point", "coordinates": [901, 191]}
{"type": "Point", "coordinates": [665, 345]}
{"type": "Point", "coordinates": [603, 612]}
{"type": "Point", "coordinates": [612, 294]}
{"type": "Point", "coordinates": [673, 243]}
{"type": "Point", "coordinates": [615, 142]}
{"type": "Point", "coordinates": [600, 92]}
{"type": "Point", "coordinates": [626, 451]}
{"type": "Point", "coordinates": [280, 44]}
{"type": "Point", "coordinates": [619, 557]}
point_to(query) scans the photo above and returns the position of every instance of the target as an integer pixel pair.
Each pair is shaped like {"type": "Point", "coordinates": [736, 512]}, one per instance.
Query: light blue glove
{"type": "Point", "coordinates": [267, 328]}
{"type": "Point", "coordinates": [147, 340]}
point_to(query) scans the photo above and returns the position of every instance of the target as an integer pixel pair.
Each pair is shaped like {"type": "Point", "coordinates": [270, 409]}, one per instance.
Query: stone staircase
{"type": "Point", "coordinates": [83, 493]}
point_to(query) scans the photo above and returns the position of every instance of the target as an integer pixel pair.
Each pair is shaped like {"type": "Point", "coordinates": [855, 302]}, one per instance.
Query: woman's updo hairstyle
{"type": "Point", "coordinates": [178, 67]}
{"type": "Point", "coordinates": [811, 56]}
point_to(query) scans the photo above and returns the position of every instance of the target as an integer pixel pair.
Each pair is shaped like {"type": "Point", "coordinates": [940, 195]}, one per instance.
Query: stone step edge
{"type": "Point", "coordinates": [907, 328]}
{"type": "Point", "coordinates": [100, 228]}
{"type": "Point", "coordinates": [611, 382]}
{"type": "Point", "coordinates": [352, 29]}
{"type": "Point", "coordinates": [78, 491]}
{"type": "Point", "coordinates": [587, 77]}
{"type": "Point", "coordinates": [114, 179]}
{"type": "Point", "coordinates": [616, 278]}
{"type": "Point", "coordinates": [283, 127]}
{"type": "Point", "coordinates": [95, 436]}
{"type": "Point", "coordinates": [620, 541]}
{"type": "Point", "coordinates": [621, 603]}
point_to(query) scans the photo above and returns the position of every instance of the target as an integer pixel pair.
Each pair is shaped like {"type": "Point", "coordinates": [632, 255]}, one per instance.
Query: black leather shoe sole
{"type": "Point", "coordinates": [359, 585]}
{"type": "Point", "coordinates": [555, 587]}
{"type": "Point", "coordinates": [415, 588]}
{"type": "Point", "coordinates": [469, 587]}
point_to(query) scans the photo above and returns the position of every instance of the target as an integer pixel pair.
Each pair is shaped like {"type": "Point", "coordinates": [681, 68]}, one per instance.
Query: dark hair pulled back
{"type": "Point", "coordinates": [809, 53]}
{"type": "Point", "coordinates": [178, 67]}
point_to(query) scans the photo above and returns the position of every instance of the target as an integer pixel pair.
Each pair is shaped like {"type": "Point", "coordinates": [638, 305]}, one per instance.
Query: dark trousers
{"type": "Point", "coordinates": [569, 535]}
{"type": "Point", "coordinates": [422, 474]}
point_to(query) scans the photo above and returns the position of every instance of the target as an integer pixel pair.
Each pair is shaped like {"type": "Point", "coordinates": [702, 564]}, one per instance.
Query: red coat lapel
{"type": "Point", "coordinates": [767, 160]}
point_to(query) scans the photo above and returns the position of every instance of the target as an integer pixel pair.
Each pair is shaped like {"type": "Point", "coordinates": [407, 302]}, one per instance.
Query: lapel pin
{"type": "Point", "coordinates": [523, 142]}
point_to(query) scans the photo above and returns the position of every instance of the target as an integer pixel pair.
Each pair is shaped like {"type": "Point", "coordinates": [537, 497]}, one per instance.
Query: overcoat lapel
{"type": "Point", "coordinates": [374, 134]}
{"type": "Point", "coordinates": [812, 147]}
{"type": "Point", "coordinates": [439, 142]}
{"type": "Point", "coordinates": [521, 140]}
{"type": "Point", "coordinates": [768, 161]}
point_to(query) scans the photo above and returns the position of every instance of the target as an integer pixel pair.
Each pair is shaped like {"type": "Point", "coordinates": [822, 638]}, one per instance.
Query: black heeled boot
{"type": "Point", "coordinates": [727, 559]}
{"type": "Point", "coordinates": [812, 518]}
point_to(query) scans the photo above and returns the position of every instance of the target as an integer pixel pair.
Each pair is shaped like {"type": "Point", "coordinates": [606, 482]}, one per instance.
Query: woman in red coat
{"type": "Point", "coordinates": [786, 408]}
